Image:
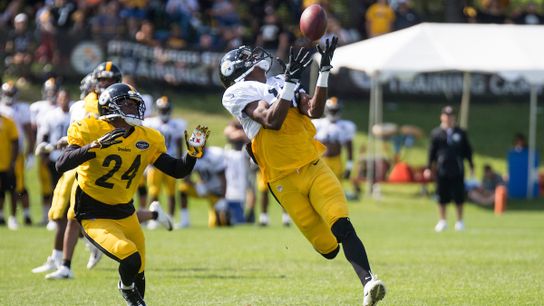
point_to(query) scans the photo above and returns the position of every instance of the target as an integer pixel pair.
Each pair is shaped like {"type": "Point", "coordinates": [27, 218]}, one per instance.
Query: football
{"type": "Point", "coordinates": [313, 22]}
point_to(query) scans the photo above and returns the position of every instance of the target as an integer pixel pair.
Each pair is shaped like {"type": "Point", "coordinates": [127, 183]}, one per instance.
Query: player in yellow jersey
{"type": "Point", "coordinates": [111, 153]}
{"type": "Point", "coordinates": [275, 114]}
{"type": "Point", "coordinates": [9, 149]}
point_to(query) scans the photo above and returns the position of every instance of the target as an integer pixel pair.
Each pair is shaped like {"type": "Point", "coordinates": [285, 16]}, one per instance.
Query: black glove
{"type": "Point", "coordinates": [326, 54]}
{"type": "Point", "coordinates": [296, 65]}
{"type": "Point", "coordinates": [110, 138]}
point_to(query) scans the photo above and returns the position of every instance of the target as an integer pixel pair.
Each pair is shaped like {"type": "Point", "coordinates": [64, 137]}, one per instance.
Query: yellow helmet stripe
{"type": "Point", "coordinates": [108, 66]}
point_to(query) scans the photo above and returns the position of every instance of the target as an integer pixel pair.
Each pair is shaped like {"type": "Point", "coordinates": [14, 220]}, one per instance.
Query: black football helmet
{"type": "Point", "coordinates": [105, 75]}
{"type": "Point", "coordinates": [111, 103]}
{"type": "Point", "coordinates": [9, 91]}
{"type": "Point", "coordinates": [333, 109]}
{"type": "Point", "coordinates": [164, 108]}
{"type": "Point", "coordinates": [50, 89]}
{"type": "Point", "coordinates": [238, 63]}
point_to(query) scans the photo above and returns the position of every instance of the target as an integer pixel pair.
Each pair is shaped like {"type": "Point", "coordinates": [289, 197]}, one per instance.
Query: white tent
{"type": "Point", "coordinates": [511, 51]}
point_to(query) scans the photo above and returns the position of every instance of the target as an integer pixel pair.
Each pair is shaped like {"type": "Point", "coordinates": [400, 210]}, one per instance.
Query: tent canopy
{"type": "Point", "coordinates": [513, 51]}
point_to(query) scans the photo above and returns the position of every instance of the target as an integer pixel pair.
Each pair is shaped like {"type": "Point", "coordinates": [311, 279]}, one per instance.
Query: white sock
{"type": "Point", "coordinates": [184, 215]}
{"type": "Point", "coordinates": [57, 255]}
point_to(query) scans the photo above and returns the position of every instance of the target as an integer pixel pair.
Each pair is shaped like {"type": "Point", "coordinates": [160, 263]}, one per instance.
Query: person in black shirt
{"type": "Point", "coordinates": [448, 149]}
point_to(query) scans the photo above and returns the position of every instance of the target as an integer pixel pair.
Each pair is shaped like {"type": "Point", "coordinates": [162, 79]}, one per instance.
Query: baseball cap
{"type": "Point", "coordinates": [448, 110]}
{"type": "Point", "coordinates": [21, 17]}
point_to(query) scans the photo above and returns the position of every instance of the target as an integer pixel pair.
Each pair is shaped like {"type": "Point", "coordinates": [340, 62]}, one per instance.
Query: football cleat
{"type": "Point", "coordinates": [162, 218]}
{"type": "Point", "coordinates": [285, 220]}
{"type": "Point", "coordinates": [441, 226]}
{"type": "Point", "coordinates": [28, 220]}
{"type": "Point", "coordinates": [49, 265]}
{"type": "Point", "coordinates": [263, 219]}
{"type": "Point", "coordinates": [131, 295]}
{"type": "Point", "coordinates": [95, 256]}
{"type": "Point", "coordinates": [12, 223]}
{"type": "Point", "coordinates": [459, 226]}
{"type": "Point", "coordinates": [374, 291]}
{"type": "Point", "coordinates": [63, 272]}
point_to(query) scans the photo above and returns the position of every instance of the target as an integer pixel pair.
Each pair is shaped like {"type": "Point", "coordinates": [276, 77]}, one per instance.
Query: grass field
{"type": "Point", "coordinates": [497, 261]}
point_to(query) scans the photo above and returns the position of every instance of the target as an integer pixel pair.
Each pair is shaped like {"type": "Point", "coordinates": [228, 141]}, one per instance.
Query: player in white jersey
{"type": "Point", "coordinates": [38, 110]}
{"type": "Point", "coordinates": [212, 186]}
{"type": "Point", "coordinates": [336, 134]}
{"type": "Point", "coordinates": [171, 129]}
{"type": "Point", "coordinates": [237, 161]}
{"type": "Point", "coordinates": [19, 113]}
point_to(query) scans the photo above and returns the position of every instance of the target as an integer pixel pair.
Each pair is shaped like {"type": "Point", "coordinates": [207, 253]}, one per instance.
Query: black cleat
{"type": "Point", "coordinates": [28, 221]}
{"type": "Point", "coordinates": [132, 296]}
{"type": "Point", "coordinates": [2, 221]}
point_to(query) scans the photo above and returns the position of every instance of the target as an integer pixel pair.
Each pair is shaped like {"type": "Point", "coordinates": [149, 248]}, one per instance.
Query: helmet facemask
{"type": "Point", "coordinates": [115, 107]}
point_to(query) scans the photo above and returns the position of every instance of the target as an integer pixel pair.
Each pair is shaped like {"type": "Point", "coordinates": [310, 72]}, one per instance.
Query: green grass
{"type": "Point", "coordinates": [497, 261]}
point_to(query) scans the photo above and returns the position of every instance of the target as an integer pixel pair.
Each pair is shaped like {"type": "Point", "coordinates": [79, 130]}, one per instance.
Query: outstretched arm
{"type": "Point", "coordinates": [175, 167]}
{"type": "Point", "coordinates": [272, 116]}
{"type": "Point", "coordinates": [314, 107]}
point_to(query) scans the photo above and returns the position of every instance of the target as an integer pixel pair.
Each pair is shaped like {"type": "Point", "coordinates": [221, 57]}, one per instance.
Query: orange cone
{"type": "Point", "coordinates": [500, 200]}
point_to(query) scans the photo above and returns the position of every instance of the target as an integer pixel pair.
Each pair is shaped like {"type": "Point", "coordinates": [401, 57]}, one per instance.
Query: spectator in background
{"type": "Point", "coordinates": [106, 24]}
{"type": "Point", "coordinates": [493, 12]}
{"type": "Point", "coordinates": [46, 32]}
{"type": "Point", "coordinates": [520, 142]}
{"type": "Point", "coordinates": [334, 28]}
{"type": "Point", "coordinates": [133, 12]}
{"type": "Point", "coordinates": [449, 147]}
{"type": "Point", "coordinates": [175, 37]}
{"type": "Point", "coordinates": [184, 12]}
{"type": "Point", "coordinates": [405, 16]}
{"type": "Point", "coordinates": [485, 194]}
{"type": "Point", "coordinates": [379, 18]}
{"type": "Point", "coordinates": [273, 38]}
{"type": "Point", "coordinates": [62, 15]}
{"type": "Point", "coordinates": [19, 47]}
{"type": "Point", "coordinates": [224, 13]}
{"type": "Point", "coordinates": [529, 15]}
{"type": "Point", "coordinates": [146, 34]}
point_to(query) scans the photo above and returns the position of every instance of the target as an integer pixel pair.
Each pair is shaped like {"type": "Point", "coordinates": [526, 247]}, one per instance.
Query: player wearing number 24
{"type": "Point", "coordinates": [111, 153]}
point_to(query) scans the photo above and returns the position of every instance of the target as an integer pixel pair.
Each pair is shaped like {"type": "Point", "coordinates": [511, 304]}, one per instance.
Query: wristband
{"type": "Point", "coordinates": [349, 165]}
{"type": "Point", "coordinates": [288, 92]}
{"type": "Point", "coordinates": [323, 79]}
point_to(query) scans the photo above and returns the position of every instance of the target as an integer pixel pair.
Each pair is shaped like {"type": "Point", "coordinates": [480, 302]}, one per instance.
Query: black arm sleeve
{"type": "Point", "coordinates": [432, 151]}
{"type": "Point", "coordinates": [175, 167]}
{"type": "Point", "coordinates": [72, 157]}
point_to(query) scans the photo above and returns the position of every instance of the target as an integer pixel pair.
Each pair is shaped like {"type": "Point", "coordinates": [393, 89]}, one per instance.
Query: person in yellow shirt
{"type": "Point", "coordinates": [379, 18]}
{"type": "Point", "coordinates": [275, 113]}
{"type": "Point", "coordinates": [111, 153]}
{"type": "Point", "coordinates": [9, 149]}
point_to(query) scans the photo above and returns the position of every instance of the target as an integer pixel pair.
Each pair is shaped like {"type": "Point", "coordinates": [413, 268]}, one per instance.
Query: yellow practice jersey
{"type": "Point", "coordinates": [8, 134]}
{"type": "Point", "coordinates": [281, 152]}
{"type": "Point", "coordinates": [91, 103]}
{"type": "Point", "coordinates": [112, 176]}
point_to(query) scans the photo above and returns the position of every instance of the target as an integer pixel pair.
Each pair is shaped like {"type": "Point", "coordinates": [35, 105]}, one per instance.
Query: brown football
{"type": "Point", "coordinates": [313, 22]}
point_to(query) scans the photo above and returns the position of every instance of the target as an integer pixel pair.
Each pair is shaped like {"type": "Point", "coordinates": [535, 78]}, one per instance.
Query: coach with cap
{"type": "Point", "coordinates": [448, 149]}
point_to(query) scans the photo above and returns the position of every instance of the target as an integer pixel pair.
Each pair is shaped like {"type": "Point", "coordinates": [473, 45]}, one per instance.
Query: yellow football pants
{"type": "Point", "coordinates": [190, 190]}
{"type": "Point", "coordinates": [314, 199]}
{"type": "Point", "coordinates": [117, 238]}
{"type": "Point", "coordinates": [62, 196]}
{"type": "Point", "coordinates": [335, 163]}
{"type": "Point", "coordinates": [155, 180]}
{"type": "Point", "coordinates": [45, 177]}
